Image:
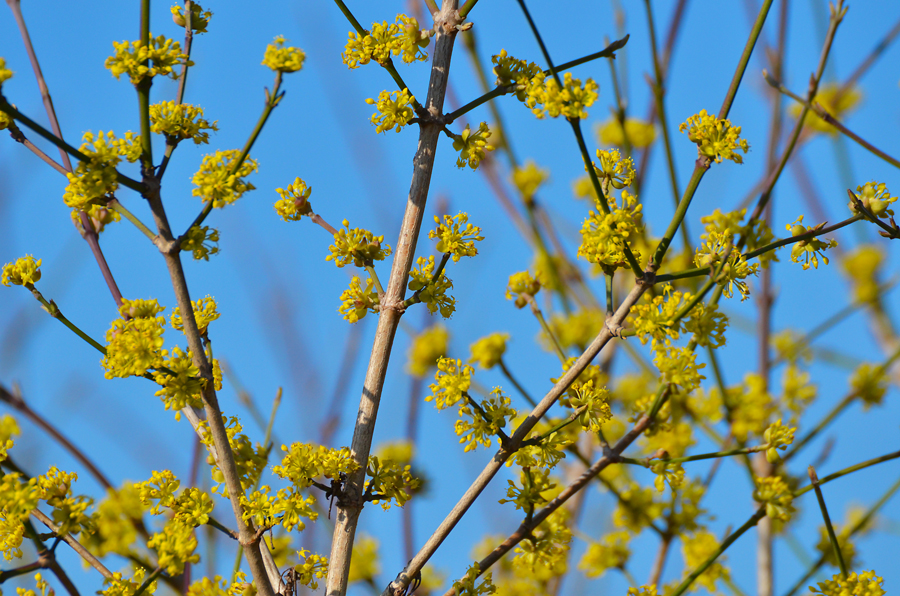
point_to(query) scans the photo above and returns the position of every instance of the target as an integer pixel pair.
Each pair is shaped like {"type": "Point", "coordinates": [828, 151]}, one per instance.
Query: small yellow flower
{"type": "Point", "coordinates": [364, 564]}
{"type": "Point", "coordinates": [294, 202]}
{"type": "Point", "coordinates": [455, 239]}
{"type": "Point", "coordinates": [472, 146]}
{"type": "Point", "coordinates": [777, 496]}
{"type": "Point", "coordinates": [357, 302]}
{"type": "Point", "coordinates": [427, 347]}
{"type": "Point", "coordinates": [520, 286]}
{"type": "Point", "coordinates": [777, 437]}
{"type": "Point", "coordinates": [836, 105]}
{"type": "Point", "coordinates": [547, 98]}
{"type": "Point", "coordinates": [488, 350]}
{"type": "Point", "coordinates": [716, 138]}
{"type": "Point", "coordinates": [358, 246]}
{"type": "Point", "coordinates": [179, 122]}
{"type": "Point", "coordinates": [199, 17]}
{"type": "Point", "coordinates": [863, 584]}
{"type": "Point", "coordinates": [809, 250]}
{"type": "Point", "coordinates": [283, 59]}
{"type": "Point", "coordinates": [402, 37]}
{"type": "Point", "coordinates": [217, 182]}
{"type": "Point", "coordinates": [432, 292]}
{"type": "Point", "coordinates": [201, 242]}
{"type": "Point", "coordinates": [204, 313]}
{"type": "Point", "coordinates": [875, 197]}
{"type": "Point", "coordinates": [640, 134]}
{"type": "Point", "coordinates": [5, 73]}
{"type": "Point", "coordinates": [528, 179]}
{"type": "Point", "coordinates": [24, 272]}
{"type": "Point", "coordinates": [139, 61]}
{"type": "Point", "coordinates": [514, 72]}
{"type": "Point", "coordinates": [393, 110]}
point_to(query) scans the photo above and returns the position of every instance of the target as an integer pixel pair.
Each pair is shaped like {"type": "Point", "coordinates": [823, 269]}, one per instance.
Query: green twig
{"type": "Point", "coordinates": [828, 525]}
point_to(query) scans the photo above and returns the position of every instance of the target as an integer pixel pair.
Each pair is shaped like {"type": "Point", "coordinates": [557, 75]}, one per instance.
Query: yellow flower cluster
{"type": "Point", "coordinates": [697, 549]}
{"type": "Point", "coordinates": [139, 61]}
{"type": "Point", "coordinates": [218, 586]}
{"type": "Point", "coordinates": [134, 342]}
{"type": "Point", "coordinates": [391, 482]}
{"type": "Point", "coordinates": [5, 73]}
{"type": "Point", "coordinates": [114, 522]}
{"type": "Point", "coordinates": [182, 386]}
{"type": "Point", "coordinates": [636, 508]}
{"type": "Point", "coordinates": [728, 225]}
{"type": "Point", "coordinates": [513, 72]}
{"type": "Point", "coordinates": [24, 272]}
{"type": "Point", "coordinates": [179, 122]}
{"type": "Point", "coordinates": [716, 138]}
{"type": "Point", "coordinates": [472, 146]}
{"type": "Point", "coordinates": [249, 460]}
{"type": "Point", "coordinates": [734, 271]}
{"type": "Point", "coordinates": [611, 552]}
{"type": "Point", "coordinates": [576, 329]}
{"type": "Point", "coordinates": [467, 585]}
{"type": "Point", "coordinates": [286, 508]}
{"type": "Point", "coordinates": [453, 381]}
{"type": "Point", "coordinates": [810, 249]}
{"type": "Point", "coordinates": [777, 496]}
{"type": "Point", "coordinates": [358, 246]}
{"type": "Point", "coordinates": [835, 101]}
{"type": "Point", "coordinates": [294, 202]}
{"type": "Point", "coordinates": [357, 302]}
{"type": "Point", "coordinates": [546, 98]}
{"type": "Point", "coordinates": [204, 313]}
{"type": "Point", "coordinates": [604, 236]}
{"type": "Point", "coordinates": [489, 350]}
{"type": "Point", "coordinates": [478, 425]}
{"type": "Point", "coordinates": [304, 462]}
{"type": "Point", "coordinates": [433, 292]}
{"type": "Point", "coordinates": [364, 564]}
{"type": "Point", "coordinates": [8, 429]}
{"type": "Point", "coordinates": [640, 134]}
{"type": "Point", "coordinates": [875, 197]}
{"type": "Point", "coordinates": [614, 169]}
{"type": "Point", "coordinates": [55, 487]}
{"type": "Point", "coordinates": [862, 584]}
{"type": "Point", "coordinates": [522, 285]}
{"type": "Point", "coordinates": [751, 407]}
{"type": "Point", "coordinates": [426, 348]}
{"type": "Point", "coordinates": [119, 586]}
{"type": "Point", "coordinates": [402, 37]}
{"type": "Point", "coordinates": [870, 384]}
{"type": "Point", "coordinates": [777, 437]}
{"type": "Point", "coordinates": [528, 179]}
{"type": "Point", "coordinates": [548, 546]}
{"type": "Point", "coordinates": [199, 17]}
{"type": "Point", "coordinates": [283, 59]}
{"type": "Point", "coordinates": [312, 568]}
{"type": "Point", "coordinates": [219, 181]}
{"type": "Point", "coordinates": [394, 110]}
{"type": "Point", "coordinates": [862, 264]}
{"type": "Point", "coordinates": [678, 366]}
{"type": "Point", "coordinates": [92, 180]}
{"type": "Point", "coordinates": [201, 242]}
{"type": "Point", "coordinates": [453, 238]}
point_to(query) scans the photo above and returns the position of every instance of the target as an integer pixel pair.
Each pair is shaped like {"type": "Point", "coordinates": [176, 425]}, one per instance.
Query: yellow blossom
{"type": "Point", "coordinates": [24, 272]}
{"type": "Point", "coordinates": [716, 138]}
{"type": "Point", "coordinates": [394, 110]}
{"type": "Point", "coordinates": [294, 202]}
{"type": "Point", "coordinates": [427, 347]}
{"type": "Point", "coordinates": [283, 59]}
{"type": "Point", "coordinates": [220, 181]}
{"type": "Point", "coordinates": [139, 61]}
{"type": "Point", "coordinates": [489, 350]}
{"type": "Point", "coordinates": [640, 134]}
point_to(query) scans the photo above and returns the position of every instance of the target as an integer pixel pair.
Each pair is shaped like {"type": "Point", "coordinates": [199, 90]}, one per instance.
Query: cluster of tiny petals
{"type": "Point", "coordinates": [5, 73]}
{"type": "Point", "coordinates": [547, 98]}
{"type": "Point", "coordinates": [736, 268]}
{"type": "Point", "coordinates": [283, 59]}
{"type": "Point", "coordinates": [522, 285]}
{"type": "Point", "coordinates": [427, 347]}
{"type": "Point", "coordinates": [358, 246]}
{"type": "Point", "coordinates": [180, 121]}
{"type": "Point", "coordinates": [778, 437]}
{"type": "Point", "coordinates": [118, 585]}
{"type": "Point", "coordinates": [855, 584]}
{"type": "Point", "coordinates": [181, 384]}
{"type": "Point", "coordinates": [204, 313]}
{"type": "Point", "coordinates": [390, 481]}
{"type": "Point", "coordinates": [432, 292]}
{"type": "Point", "coordinates": [201, 241]}
{"type": "Point", "coordinates": [92, 180]}
{"type": "Point", "coordinates": [875, 197]}
{"type": "Point", "coordinates": [394, 110]}
{"type": "Point", "coordinates": [472, 146]}
{"type": "Point", "coordinates": [488, 351]}
{"type": "Point", "coordinates": [294, 202]}
{"type": "Point", "coordinates": [716, 138]}
{"type": "Point", "coordinates": [836, 100]}
{"type": "Point", "coordinates": [358, 301]}
{"type": "Point", "coordinates": [775, 493]}
{"type": "Point", "coordinates": [304, 462]}
{"type": "Point", "coordinates": [139, 61]}
{"type": "Point", "coordinates": [640, 134]}
{"type": "Point", "coordinates": [217, 182]}
{"type": "Point", "coordinates": [402, 38]}
{"type": "Point", "coordinates": [455, 239]}
{"type": "Point", "coordinates": [453, 380]}
{"type": "Point", "coordinates": [529, 178]}
{"type": "Point", "coordinates": [613, 167]}
{"type": "Point", "coordinates": [605, 235]}
{"type": "Point", "coordinates": [24, 272]}
{"type": "Point", "coordinates": [199, 17]}
{"type": "Point", "coordinates": [485, 422]}
{"type": "Point", "coordinates": [513, 72]}
{"type": "Point", "coordinates": [811, 249]}
{"type": "Point", "coordinates": [134, 342]}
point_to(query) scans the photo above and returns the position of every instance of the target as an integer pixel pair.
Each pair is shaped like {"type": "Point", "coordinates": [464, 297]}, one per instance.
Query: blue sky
{"type": "Point", "coordinates": [279, 297]}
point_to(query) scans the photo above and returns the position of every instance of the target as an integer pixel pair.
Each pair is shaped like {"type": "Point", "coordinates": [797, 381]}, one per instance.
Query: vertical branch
{"type": "Point", "coordinates": [349, 508]}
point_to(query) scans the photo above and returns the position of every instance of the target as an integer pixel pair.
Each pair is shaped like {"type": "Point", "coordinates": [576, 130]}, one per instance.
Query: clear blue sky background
{"type": "Point", "coordinates": [280, 326]}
